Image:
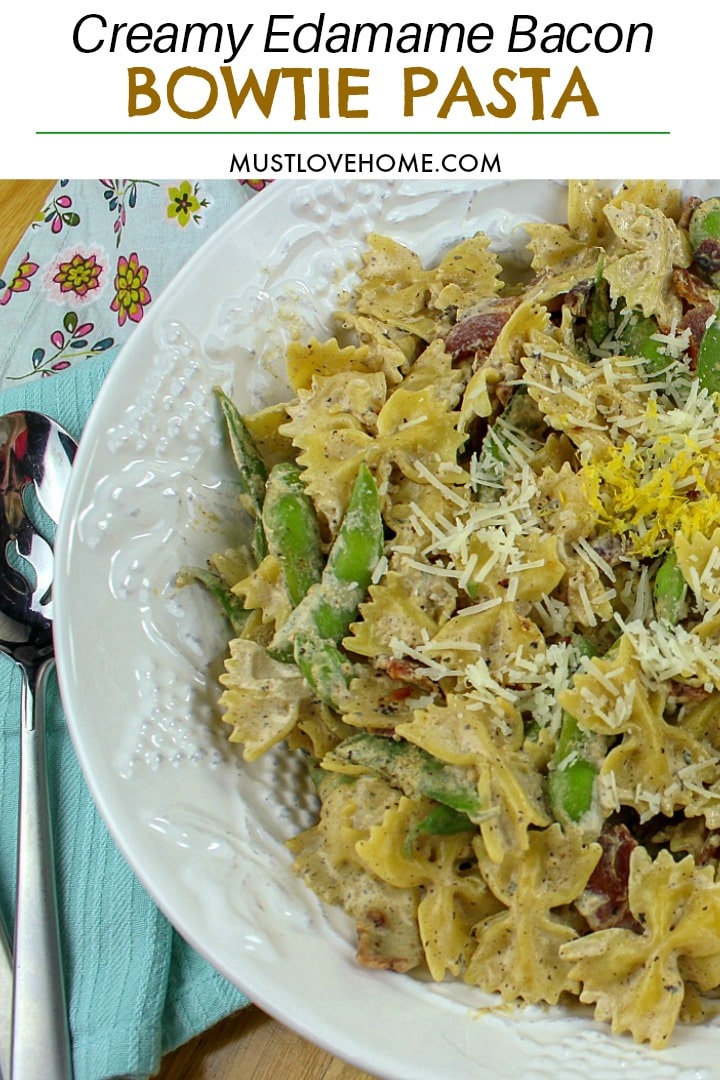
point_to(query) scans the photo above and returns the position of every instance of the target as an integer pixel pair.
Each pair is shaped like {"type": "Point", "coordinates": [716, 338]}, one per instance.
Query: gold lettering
{"type": "Point", "coordinates": [346, 90]}
{"type": "Point", "coordinates": [461, 90]}
{"type": "Point", "coordinates": [263, 98]}
{"type": "Point", "coordinates": [410, 91]}
{"type": "Point", "coordinates": [192, 73]}
{"type": "Point", "coordinates": [144, 88]}
{"type": "Point", "coordinates": [583, 96]}
{"type": "Point", "coordinates": [509, 109]}
{"type": "Point", "coordinates": [536, 76]}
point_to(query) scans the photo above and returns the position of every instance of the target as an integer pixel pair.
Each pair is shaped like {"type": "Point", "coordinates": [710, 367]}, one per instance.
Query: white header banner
{"type": "Point", "coordinates": [525, 91]}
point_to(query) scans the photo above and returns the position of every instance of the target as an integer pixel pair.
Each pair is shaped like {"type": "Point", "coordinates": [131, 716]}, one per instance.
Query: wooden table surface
{"type": "Point", "coordinates": [249, 1045]}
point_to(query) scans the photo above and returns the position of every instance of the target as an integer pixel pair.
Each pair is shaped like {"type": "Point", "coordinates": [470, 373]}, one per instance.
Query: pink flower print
{"type": "Point", "coordinates": [255, 183]}
{"type": "Point", "coordinates": [64, 202]}
{"type": "Point", "coordinates": [58, 213]}
{"type": "Point", "coordinates": [131, 294]}
{"type": "Point", "coordinates": [79, 275]}
{"type": "Point", "coordinates": [20, 281]}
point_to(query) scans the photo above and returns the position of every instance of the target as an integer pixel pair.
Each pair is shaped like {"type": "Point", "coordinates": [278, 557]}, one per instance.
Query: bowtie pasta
{"type": "Point", "coordinates": [483, 597]}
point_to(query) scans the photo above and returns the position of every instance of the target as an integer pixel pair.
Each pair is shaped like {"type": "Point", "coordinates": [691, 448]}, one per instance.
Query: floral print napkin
{"type": "Point", "coordinates": [95, 258]}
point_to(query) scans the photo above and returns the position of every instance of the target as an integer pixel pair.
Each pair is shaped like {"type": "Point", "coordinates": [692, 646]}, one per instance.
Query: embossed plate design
{"type": "Point", "coordinates": [138, 659]}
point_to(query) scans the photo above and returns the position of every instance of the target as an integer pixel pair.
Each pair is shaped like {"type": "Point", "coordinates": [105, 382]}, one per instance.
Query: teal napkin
{"type": "Point", "coordinates": [135, 989]}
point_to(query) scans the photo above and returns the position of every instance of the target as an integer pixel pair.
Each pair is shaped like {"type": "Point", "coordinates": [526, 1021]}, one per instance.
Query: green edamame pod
{"type": "Point", "coordinates": [326, 670]}
{"type": "Point", "coordinates": [639, 341]}
{"type": "Point", "coordinates": [414, 771]}
{"type": "Point", "coordinates": [331, 605]}
{"type": "Point", "coordinates": [291, 530]}
{"type": "Point", "coordinates": [359, 542]}
{"type": "Point", "coordinates": [599, 323]}
{"type": "Point", "coordinates": [573, 771]}
{"type": "Point", "coordinates": [704, 233]}
{"type": "Point", "coordinates": [252, 471]}
{"type": "Point", "coordinates": [441, 821]}
{"type": "Point", "coordinates": [708, 361]}
{"type": "Point", "coordinates": [669, 590]}
{"type": "Point", "coordinates": [444, 821]}
{"type": "Point", "coordinates": [231, 605]}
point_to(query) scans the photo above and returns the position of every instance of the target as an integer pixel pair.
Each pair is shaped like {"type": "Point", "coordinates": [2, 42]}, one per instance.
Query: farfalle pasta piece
{"type": "Point", "coordinates": [698, 557]}
{"type": "Point", "coordinates": [417, 432]}
{"type": "Point", "coordinates": [394, 288]}
{"type": "Point", "coordinates": [519, 950]}
{"type": "Point", "coordinates": [327, 860]}
{"type": "Point", "coordinates": [655, 194]}
{"type": "Point", "coordinates": [577, 244]}
{"type": "Point", "coordinates": [333, 426]}
{"type": "Point", "coordinates": [565, 510]}
{"type": "Point", "coordinates": [468, 274]}
{"type": "Point", "coordinates": [377, 701]}
{"type": "Point", "coordinates": [554, 248]}
{"type": "Point", "coordinates": [264, 427]}
{"type": "Point", "coordinates": [390, 349]}
{"type": "Point", "coordinates": [490, 741]}
{"type": "Point", "coordinates": [318, 730]}
{"type": "Point", "coordinates": [586, 202]}
{"type": "Point", "coordinates": [702, 719]}
{"type": "Point", "coordinates": [435, 369]}
{"type": "Point", "coordinates": [408, 606]}
{"type": "Point", "coordinates": [651, 247]}
{"type": "Point", "coordinates": [263, 590]}
{"type": "Point", "coordinates": [536, 566]}
{"type": "Point", "coordinates": [499, 635]}
{"type": "Point", "coordinates": [584, 400]}
{"type": "Point", "coordinates": [586, 592]}
{"type": "Point", "coordinates": [454, 894]}
{"type": "Point", "coordinates": [636, 980]}
{"type": "Point", "coordinates": [503, 366]}
{"type": "Point", "coordinates": [305, 361]}
{"type": "Point", "coordinates": [412, 510]}
{"type": "Point", "coordinates": [262, 698]}
{"type": "Point", "coordinates": [652, 759]}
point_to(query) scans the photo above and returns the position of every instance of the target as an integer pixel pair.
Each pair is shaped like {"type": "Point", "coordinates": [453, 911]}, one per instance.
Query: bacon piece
{"type": "Point", "coordinates": [383, 943]}
{"type": "Point", "coordinates": [696, 319]}
{"type": "Point", "coordinates": [689, 207]}
{"type": "Point", "coordinates": [683, 693]}
{"type": "Point", "coordinates": [479, 332]}
{"type": "Point", "coordinates": [697, 296]}
{"type": "Point", "coordinates": [707, 255]}
{"type": "Point", "coordinates": [604, 903]}
{"type": "Point", "coordinates": [404, 671]}
{"type": "Point", "coordinates": [691, 287]}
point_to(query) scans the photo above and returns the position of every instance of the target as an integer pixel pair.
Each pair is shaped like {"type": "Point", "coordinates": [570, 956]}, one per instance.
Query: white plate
{"type": "Point", "coordinates": [137, 660]}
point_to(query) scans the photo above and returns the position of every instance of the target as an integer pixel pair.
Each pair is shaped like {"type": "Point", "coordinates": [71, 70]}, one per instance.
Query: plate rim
{"type": "Point", "coordinates": [382, 1064]}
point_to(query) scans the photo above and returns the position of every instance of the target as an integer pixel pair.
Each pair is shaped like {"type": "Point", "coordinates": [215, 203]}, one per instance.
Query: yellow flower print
{"type": "Point", "coordinates": [184, 205]}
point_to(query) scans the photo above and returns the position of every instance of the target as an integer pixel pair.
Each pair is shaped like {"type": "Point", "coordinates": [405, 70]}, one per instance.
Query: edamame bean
{"type": "Point", "coordinates": [252, 471]}
{"type": "Point", "coordinates": [708, 361]}
{"type": "Point", "coordinates": [231, 605]}
{"type": "Point", "coordinates": [291, 530]}
{"type": "Point", "coordinates": [414, 771]}
{"type": "Point", "coordinates": [328, 608]}
{"type": "Point", "coordinates": [573, 771]}
{"type": "Point", "coordinates": [669, 590]}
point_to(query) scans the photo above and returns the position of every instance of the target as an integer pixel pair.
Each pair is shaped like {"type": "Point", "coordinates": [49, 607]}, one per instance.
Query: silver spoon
{"type": "Point", "coordinates": [36, 456]}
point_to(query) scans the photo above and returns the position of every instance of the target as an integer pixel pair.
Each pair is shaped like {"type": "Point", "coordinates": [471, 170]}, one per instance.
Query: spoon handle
{"type": "Point", "coordinates": [40, 1038]}
{"type": "Point", "coordinates": [6, 995]}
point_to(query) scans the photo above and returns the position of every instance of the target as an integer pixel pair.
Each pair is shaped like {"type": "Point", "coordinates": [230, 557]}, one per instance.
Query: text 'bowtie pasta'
{"type": "Point", "coordinates": [481, 595]}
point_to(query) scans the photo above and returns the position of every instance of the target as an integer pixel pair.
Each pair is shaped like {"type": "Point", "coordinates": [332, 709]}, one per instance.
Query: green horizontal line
{"type": "Point", "coordinates": [144, 131]}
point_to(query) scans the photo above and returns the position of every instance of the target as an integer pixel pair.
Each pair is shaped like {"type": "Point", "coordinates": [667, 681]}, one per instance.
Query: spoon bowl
{"type": "Point", "coordinates": [36, 457]}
